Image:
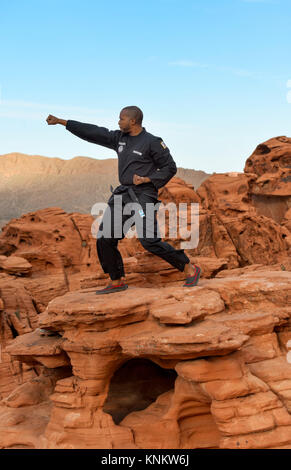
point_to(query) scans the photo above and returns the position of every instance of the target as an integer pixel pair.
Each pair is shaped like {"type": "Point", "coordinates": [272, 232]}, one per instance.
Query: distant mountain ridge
{"type": "Point", "coordinates": [32, 182]}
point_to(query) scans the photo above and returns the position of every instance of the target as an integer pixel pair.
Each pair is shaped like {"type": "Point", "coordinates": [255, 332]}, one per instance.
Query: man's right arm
{"type": "Point", "coordinates": [89, 132]}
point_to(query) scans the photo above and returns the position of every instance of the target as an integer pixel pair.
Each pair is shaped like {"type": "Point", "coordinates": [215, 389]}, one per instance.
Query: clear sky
{"type": "Point", "coordinates": [211, 76]}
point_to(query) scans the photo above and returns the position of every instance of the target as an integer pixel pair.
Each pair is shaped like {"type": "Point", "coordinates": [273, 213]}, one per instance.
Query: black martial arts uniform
{"type": "Point", "coordinates": [144, 155]}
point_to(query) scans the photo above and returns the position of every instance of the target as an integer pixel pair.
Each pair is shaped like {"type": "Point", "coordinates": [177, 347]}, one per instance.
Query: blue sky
{"type": "Point", "coordinates": [211, 76]}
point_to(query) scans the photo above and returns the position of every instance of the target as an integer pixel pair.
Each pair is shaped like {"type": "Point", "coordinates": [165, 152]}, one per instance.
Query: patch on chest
{"type": "Point", "coordinates": [121, 146]}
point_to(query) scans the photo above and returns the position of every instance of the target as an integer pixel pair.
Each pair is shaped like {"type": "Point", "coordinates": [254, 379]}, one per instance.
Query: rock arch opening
{"type": "Point", "coordinates": [135, 385]}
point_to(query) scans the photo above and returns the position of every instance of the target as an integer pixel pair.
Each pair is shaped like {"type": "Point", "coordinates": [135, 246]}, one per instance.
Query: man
{"type": "Point", "coordinates": [144, 166]}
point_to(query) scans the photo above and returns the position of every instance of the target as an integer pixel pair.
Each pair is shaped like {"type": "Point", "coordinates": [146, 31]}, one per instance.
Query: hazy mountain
{"type": "Point", "coordinates": [32, 182]}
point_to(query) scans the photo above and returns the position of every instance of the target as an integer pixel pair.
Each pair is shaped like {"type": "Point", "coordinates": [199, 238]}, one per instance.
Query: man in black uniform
{"type": "Point", "coordinates": [144, 165]}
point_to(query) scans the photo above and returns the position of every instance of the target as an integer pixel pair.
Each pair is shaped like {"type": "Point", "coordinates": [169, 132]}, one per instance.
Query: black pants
{"type": "Point", "coordinates": [108, 253]}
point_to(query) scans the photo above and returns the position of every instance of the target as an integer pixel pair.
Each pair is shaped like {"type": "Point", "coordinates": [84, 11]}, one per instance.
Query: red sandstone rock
{"type": "Point", "coordinates": [33, 348]}
{"type": "Point", "coordinates": [251, 238]}
{"type": "Point", "coordinates": [203, 367]}
{"type": "Point", "coordinates": [271, 190]}
{"type": "Point", "coordinates": [271, 157]}
{"type": "Point", "coordinates": [100, 335]}
{"type": "Point", "coordinates": [15, 265]}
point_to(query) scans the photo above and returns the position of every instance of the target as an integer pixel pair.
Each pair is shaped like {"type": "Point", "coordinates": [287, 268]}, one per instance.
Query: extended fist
{"type": "Point", "coordinates": [52, 120]}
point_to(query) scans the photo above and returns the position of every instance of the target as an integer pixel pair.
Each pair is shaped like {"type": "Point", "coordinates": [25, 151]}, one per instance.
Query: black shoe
{"type": "Point", "coordinates": [193, 280]}
{"type": "Point", "coordinates": [110, 289]}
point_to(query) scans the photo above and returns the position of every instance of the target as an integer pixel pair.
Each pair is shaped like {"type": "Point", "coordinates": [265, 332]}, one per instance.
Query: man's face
{"type": "Point", "coordinates": [125, 122]}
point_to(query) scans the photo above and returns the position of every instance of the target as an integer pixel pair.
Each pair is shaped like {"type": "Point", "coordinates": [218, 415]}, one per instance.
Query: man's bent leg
{"type": "Point", "coordinates": [177, 258]}
{"type": "Point", "coordinates": [153, 243]}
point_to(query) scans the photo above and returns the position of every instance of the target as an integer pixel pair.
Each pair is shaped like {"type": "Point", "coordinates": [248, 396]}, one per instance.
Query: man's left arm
{"type": "Point", "coordinates": [166, 167]}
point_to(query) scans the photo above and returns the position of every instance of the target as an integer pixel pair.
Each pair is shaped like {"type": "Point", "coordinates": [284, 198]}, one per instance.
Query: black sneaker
{"type": "Point", "coordinates": [110, 289]}
{"type": "Point", "coordinates": [193, 280]}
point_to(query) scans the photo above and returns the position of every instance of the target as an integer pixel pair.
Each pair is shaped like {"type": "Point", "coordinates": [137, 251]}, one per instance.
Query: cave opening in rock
{"type": "Point", "coordinates": [135, 385]}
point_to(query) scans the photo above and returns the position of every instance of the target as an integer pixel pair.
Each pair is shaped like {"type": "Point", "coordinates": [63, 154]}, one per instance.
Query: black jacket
{"type": "Point", "coordinates": [143, 154]}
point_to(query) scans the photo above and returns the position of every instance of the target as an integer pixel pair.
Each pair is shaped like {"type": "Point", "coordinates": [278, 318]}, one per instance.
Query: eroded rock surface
{"type": "Point", "coordinates": [271, 189]}
{"type": "Point", "coordinates": [202, 367]}
{"type": "Point", "coordinates": [223, 343]}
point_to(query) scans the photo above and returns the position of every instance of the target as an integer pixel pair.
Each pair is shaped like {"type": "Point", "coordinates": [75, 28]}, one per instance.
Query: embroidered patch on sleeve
{"type": "Point", "coordinates": [163, 145]}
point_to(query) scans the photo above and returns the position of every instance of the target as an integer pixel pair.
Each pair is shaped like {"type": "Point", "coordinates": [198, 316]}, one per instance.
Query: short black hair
{"type": "Point", "coordinates": [134, 113]}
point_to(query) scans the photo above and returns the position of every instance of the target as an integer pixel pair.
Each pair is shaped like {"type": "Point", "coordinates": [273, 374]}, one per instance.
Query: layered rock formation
{"type": "Point", "coordinates": [213, 370]}
{"type": "Point", "coordinates": [270, 190]}
{"type": "Point", "coordinates": [203, 367]}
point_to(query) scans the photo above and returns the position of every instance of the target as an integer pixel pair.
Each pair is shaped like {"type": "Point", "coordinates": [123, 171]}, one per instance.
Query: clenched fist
{"type": "Point", "coordinates": [52, 120]}
{"type": "Point", "coordinates": [140, 179]}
